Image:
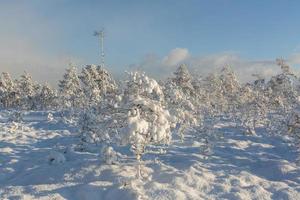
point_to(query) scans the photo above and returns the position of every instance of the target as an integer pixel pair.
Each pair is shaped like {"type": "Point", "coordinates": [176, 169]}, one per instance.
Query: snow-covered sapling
{"type": "Point", "coordinates": [146, 119]}
{"type": "Point", "coordinates": [109, 155]}
{"type": "Point", "coordinates": [50, 117]}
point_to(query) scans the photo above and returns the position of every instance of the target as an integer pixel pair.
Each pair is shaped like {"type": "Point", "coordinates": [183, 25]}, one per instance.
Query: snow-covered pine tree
{"type": "Point", "coordinates": [8, 91]}
{"type": "Point", "coordinates": [183, 100]}
{"type": "Point", "coordinates": [105, 82]}
{"type": "Point", "coordinates": [99, 123]}
{"type": "Point", "coordinates": [230, 83]}
{"type": "Point", "coordinates": [251, 109]}
{"type": "Point", "coordinates": [28, 90]}
{"type": "Point", "coordinates": [90, 88]}
{"type": "Point", "coordinates": [230, 88]}
{"type": "Point", "coordinates": [98, 84]}
{"type": "Point", "coordinates": [283, 94]}
{"type": "Point", "coordinates": [212, 85]}
{"type": "Point", "coordinates": [212, 110]}
{"type": "Point", "coordinates": [47, 98]}
{"type": "Point", "coordinates": [183, 79]}
{"type": "Point", "coordinates": [201, 98]}
{"type": "Point", "coordinates": [283, 88]}
{"type": "Point", "coordinates": [221, 90]}
{"type": "Point", "coordinates": [180, 107]}
{"type": "Point", "coordinates": [70, 90]}
{"type": "Point", "coordinates": [90, 128]}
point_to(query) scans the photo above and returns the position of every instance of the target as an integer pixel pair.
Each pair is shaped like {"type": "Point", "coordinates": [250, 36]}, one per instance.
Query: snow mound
{"type": "Point", "coordinates": [56, 158]}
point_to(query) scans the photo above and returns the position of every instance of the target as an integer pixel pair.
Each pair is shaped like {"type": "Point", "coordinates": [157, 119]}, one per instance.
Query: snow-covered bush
{"type": "Point", "coordinates": [16, 116]}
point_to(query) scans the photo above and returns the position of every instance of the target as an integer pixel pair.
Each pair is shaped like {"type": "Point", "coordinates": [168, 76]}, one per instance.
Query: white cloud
{"type": "Point", "coordinates": [294, 58]}
{"type": "Point", "coordinates": [164, 67]}
{"type": "Point", "coordinates": [175, 57]}
{"type": "Point", "coordinates": [244, 68]}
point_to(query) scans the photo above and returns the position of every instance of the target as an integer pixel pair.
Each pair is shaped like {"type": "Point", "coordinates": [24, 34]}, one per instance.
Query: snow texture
{"type": "Point", "coordinates": [260, 166]}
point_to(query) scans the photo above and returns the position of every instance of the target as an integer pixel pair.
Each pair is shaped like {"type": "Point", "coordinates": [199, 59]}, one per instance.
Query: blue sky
{"type": "Point", "coordinates": [43, 36]}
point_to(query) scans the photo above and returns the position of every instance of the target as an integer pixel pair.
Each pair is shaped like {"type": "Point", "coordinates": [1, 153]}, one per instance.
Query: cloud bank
{"type": "Point", "coordinates": [175, 57]}
{"type": "Point", "coordinates": [18, 55]}
{"type": "Point", "coordinates": [162, 67]}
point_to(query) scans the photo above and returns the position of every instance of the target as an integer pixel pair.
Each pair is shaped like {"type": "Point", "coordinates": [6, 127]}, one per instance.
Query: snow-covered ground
{"type": "Point", "coordinates": [38, 161]}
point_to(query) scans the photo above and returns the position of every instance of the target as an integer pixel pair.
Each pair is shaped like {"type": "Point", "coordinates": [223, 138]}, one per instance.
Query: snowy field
{"type": "Point", "coordinates": [38, 160]}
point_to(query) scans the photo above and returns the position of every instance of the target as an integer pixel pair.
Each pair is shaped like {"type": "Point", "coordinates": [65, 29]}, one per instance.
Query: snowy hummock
{"type": "Point", "coordinates": [239, 167]}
